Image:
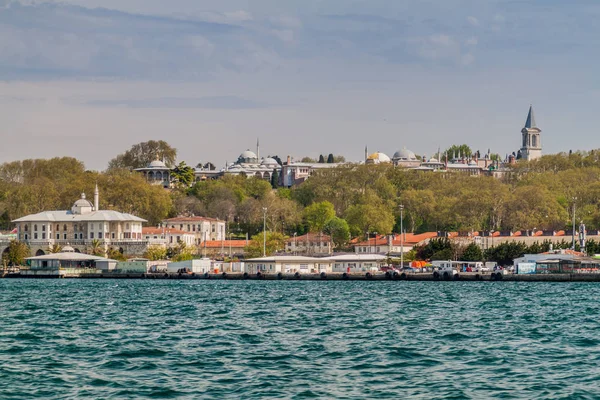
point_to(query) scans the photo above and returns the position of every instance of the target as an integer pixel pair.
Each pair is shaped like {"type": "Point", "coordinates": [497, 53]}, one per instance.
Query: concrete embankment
{"type": "Point", "coordinates": [379, 276]}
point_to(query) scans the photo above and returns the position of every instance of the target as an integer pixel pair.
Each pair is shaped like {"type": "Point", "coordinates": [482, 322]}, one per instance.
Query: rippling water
{"type": "Point", "coordinates": [287, 339]}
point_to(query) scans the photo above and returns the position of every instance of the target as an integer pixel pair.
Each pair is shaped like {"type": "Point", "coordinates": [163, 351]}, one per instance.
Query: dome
{"type": "Point", "coordinates": [68, 249]}
{"type": "Point", "coordinates": [269, 161]}
{"type": "Point", "coordinates": [157, 164]}
{"type": "Point", "coordinates": [377, 158]}
{"type": "Point", "coordinates": [405, 154]}
{"type": "Point", "coordinates": [82, 202]}
{"type": "Point", "coordinates": [433, 159]}
{"type": "Point", "coordinates": [248, 154]}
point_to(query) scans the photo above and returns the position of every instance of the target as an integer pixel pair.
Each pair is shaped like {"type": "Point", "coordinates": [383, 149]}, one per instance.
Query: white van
{"type": "Point", "coordinates": [443, 269]}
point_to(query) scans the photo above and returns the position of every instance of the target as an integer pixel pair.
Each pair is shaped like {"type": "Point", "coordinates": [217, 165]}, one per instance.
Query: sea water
{"type": "Point", "coordinates": [128, 339]}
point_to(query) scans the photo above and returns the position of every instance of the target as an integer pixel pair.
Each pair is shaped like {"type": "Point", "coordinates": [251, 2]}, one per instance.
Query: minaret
{"type": "Point", "coordinates": [96, 198]}
{"type": "Point", "coordinates": [366, 154]}
{"type": "Point", "coordinates": [257, 150]}
{"type": "Point", "coordinates": [531, 148]}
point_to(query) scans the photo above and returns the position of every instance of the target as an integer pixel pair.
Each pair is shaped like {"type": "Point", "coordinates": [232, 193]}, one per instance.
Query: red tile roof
{"type": "Point", "coordinates": [192, 218]}
{"type": "Point", "coordinates": [212, 244]}
{"type": "Point", "coordinates": [159, 231]}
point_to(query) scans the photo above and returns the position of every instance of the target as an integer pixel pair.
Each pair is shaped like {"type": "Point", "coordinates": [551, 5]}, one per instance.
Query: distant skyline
{"type": "Point", "coordinates": [307, 77]}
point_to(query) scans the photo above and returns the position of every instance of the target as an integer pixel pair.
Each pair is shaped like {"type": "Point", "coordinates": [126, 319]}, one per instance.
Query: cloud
{"type": "Point", "coordinates": [209, 102]}
{"type": "Point", "coordinates": [472, 41]}
{"type": "Point", "coordinates": [473, 21]}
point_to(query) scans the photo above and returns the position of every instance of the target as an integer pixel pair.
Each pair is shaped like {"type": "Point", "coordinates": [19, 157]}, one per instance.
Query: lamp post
{"type": "Point", "coordinates": [295, 233]}
{"type": "Point", "coordinates": [573, 236]}
{"type": "Point", "coordinates": [264, 231]}
{"type": "Point", "coordinates": [401, 236]}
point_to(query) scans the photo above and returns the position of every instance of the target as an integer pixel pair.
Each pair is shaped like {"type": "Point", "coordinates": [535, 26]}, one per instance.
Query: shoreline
{"type": "Point", "coordinates": [463, 277]}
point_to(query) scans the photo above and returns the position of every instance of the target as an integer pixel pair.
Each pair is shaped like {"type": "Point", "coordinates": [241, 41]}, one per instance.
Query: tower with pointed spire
{"type": "Point", "coordinates": [531, 148]}
{"type": "Point", "coordinates": [96, 198]}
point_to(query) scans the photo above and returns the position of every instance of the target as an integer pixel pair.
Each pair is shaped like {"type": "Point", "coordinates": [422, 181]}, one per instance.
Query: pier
{"type": "Point", "coordinates": [379, 276]}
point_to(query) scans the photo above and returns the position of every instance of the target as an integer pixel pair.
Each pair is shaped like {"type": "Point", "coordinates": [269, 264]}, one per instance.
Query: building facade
{"type": "Point", "coordinates": [167, 237]}
{"type": "Point", "coordinates": [202, 228]}
{"type": "Point", "coordinates": [309, 244]}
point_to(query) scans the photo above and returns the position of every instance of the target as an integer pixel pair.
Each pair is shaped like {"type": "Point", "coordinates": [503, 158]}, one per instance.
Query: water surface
{"type": "Point", "coordinates": [93, 339]}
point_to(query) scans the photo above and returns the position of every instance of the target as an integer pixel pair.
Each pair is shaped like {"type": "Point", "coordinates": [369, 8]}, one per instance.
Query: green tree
{"type": "Point", "coordinates": [317, 215]}
{"type": "Point", "coordinates": [155, 253]}
{"type": "Point", "coordinates": [275, 242]}
{"type": "Point", "coordinates": [321, 159]}
{"type": "Point", "coordinates": [142, 154]}
{"type": "Point", "coordinates": [369, 218]}
{"type": "Point", "coordinates": [17, 253]}
{"type": "Point", "coordinates": [96, 248]}
{"type": "Point", "coordinates": [115, 254]}
{"type": "Point", "coordinates": [459, 149]}
{"type": "Point", "coordinates": [472, 253]}
{"type": "Point", "coordinates": [183, 174]}
{"type": "Point", "coordinates": [181, 252]}
{"type": "Point", "coordinates": [275, 179]}
{"type": "Point", "coordinates": [55, 248]}
{"type": "Point", "coordinates": [330, 159]}
{"type": "Point", "coordinates": [339, 231]}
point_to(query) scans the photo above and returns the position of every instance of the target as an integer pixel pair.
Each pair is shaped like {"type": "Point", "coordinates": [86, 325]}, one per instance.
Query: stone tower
{"type": "Point", "coordinates": [531, 148]}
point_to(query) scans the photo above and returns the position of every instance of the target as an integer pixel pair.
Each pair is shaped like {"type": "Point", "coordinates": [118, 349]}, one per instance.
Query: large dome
{"type": "Point", "coordinates": [157, 164]}
{"type": "Point", "coordinates": [404, 154]}
{"type": "Point", "coordinates": [82, 202]}
{"type": "Point", "coordinates": [377, 158]}
{"type": "Point", "coordinates": [248, 154]}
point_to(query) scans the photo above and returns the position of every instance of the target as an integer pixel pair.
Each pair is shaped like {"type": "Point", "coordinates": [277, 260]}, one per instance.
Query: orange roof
{"type": "Point", "coordinates": [213, 244]}
{"type": "Point", "coordinates": [159, 231]}
{"type": "Point", "coordinates": [409, 239]}
{"type": "Point", "coordinates": [192, 218]}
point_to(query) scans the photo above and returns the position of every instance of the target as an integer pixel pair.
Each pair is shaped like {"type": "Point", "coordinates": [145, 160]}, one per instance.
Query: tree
{"type": "Point", "coordinates": [55, 248]}
{"type": "Point", "coordinates": [330, 159]}
{"type": "Point", "coordinates": [183, 174]}
{"type": "Point", "coordinates": [317, 215]}
{"type": "Point", "coordinates": [460, 150]}
{"type": "Point", "coordinates": [96, 248]}
{"type": "Point", "coordinates": [339, 231]}
{"type": "Point", "coordinates": [142, 154]}
{"type": "Point", "coordinates": [275, 242]}
{"type": "Point", "coordinates": [155, 253]}
{"type": "Point", "coordinates": [308, 160]}
{"type": "Point", "coordinates": [275, 179]}
{"type": "Point", "coordinates": [115, 254]}
{"type": "Point", "coordinates": [369, 218]}
{"type": "Point", "coordinates": [321, 159]}
{"type": "Point", "coordinates": [181, 252]}
{"type": "Point", "coordinates": [17, 253]}
{"type": "Point", "coordinates": [472, 253]}
{"type": "Point", "coordinates": [339, 159]}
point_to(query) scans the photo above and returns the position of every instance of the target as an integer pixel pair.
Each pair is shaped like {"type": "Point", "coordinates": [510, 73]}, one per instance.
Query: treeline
{"type": "Point", "coordinates": [362, 198]}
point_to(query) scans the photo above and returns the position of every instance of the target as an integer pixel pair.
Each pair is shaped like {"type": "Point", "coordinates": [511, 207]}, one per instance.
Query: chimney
{"type": "Point", "coordinates": [96, 198]}
{"type": "Point", "coordinates": [289, 160]}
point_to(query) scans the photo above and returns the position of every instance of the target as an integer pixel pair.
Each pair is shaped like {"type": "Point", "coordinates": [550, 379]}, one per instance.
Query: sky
{"type": "Point", "coordinates": [90, 78]}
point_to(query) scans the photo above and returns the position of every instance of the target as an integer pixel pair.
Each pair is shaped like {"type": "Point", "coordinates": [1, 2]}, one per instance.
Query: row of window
{"type": "Point", "coordinates": [75, 227]}
{"type": "Point", "coordinates": [368, 249]}
{"type": "Point", "coordinates": [80, 236]}
{"type": "Point", "coordinates": [192, 228]}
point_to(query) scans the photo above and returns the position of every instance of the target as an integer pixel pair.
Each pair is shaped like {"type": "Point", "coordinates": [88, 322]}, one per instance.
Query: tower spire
{"type": "Point", "coordinates": [257, 149]}
{"type": "Point", "coordinates": [96, 198]}
{"type": "Point", "coordinates": [530, 123]}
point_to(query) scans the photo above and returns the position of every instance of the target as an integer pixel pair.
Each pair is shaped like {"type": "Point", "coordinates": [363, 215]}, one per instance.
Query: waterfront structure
{"type": "Point", "coordinates": [309, 244]}
{"type": "Point", "coordinates": [531, 148]}
{"type": "Point", "coordinates": [168, 237]}
{"type": "Point", "coordinates": [157, 173]}
{"type": "Point", "coordinates": [202, 228]}
{"type": "Point", "coordinates": [233, 248]}
{"type": "Point", "coordinates": [287, 264]}
{"type": "Point", "coordinates": [392, 244]}
{"type": "Point", "coordinates": [81, 227]}
{"type": "Point", "coordinates": [351, 263]}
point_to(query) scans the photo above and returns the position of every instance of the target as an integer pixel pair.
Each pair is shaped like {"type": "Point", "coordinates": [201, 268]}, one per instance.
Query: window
{"type": "Point", "coordinates": [188, 229]}
{"type": "Point", "coordinates": [26, 237]}
{"type": "Point", "coordinates": [58, 236]}
{"type": "Point", "coordinates": [35, 227]}
{"type": "Point", "coordinates": [35, 235]}
{"type": "Point", "coordinates": [113, 235]}
{"type": "Point", "coordinates": [26, 228]}
{"type": "Point", "coordinates": [99, 235]}
{"type": "Point", "coordinates": [171, 239]}
{"type": "Point", "coordinates": [64, 227]}
{"type": "Point", "coordinates": [199, 227]}
{"type": "Point", "coordinates": [193, 228]}
{"type": "Point", "coordinates": [75, 236]}
{"type": "Point", "coordinates": [534, 141]}
{"type": "Point", "coordinates": [44, 235]}
{"type": "Point", "coordinates": [213, 229]}
{"type": "Point", "coordinates": [127, 226]}
{"type": "Point", "coordinates": [91, 235]}
{"type": "Point", "coordinates": [57, 227]}
{"type": "Point", "coordinates": [65, 236]}
{"type": "Point", "coordinates": [81, 236]}
{"type": "Point", "coordinates": [181, 227]}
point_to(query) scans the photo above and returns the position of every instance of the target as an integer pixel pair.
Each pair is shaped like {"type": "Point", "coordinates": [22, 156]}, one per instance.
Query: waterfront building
{"type": "Point", "coordinates": [352, 263]}
{"type": "Point", "coordinates": [168, 237]}
{"type": "Point", "coordinates": [80, 227]}
{"type": "Point", "coordinates": [287, 264]}
{"type": "Point", "coordinates": [202, 228]}
{"type": "Point", "coordinates": [234, 248]}
{"type": "Point", "coordinates": [157, 173]}
{"type": "Point", "coordinates": [392, 245]}
{"type": "Point", "coordinates": [309, 244]}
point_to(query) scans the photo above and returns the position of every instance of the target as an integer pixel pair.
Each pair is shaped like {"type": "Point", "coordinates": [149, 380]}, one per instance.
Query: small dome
{"type": "Point", "coordinates": [433, 159]}
{"type": "Point", "coordinates": [82, 202]}
{"type": "Point", "coordinates": [157, 164]}
{"type": "Point", "coordinates": [68, 249]}
{"type": "Point", "coordinates": [377, 158]}
{"type": "Point", "coordinates": [405, 154]}
{"type": "Point", "coordinates": [269, 161]}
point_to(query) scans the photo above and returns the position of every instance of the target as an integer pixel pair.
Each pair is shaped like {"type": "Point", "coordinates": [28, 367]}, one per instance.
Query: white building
{"type": "Point", "coordinates": [80, 226]}
{"type": "Point", "coordinates": [309, 244]}
{"type": "Point", "coordinates": [202, 228]}
{"type": "Point", "coordinates": [353, 263]}
{"type": "Point", "coordinates": [287, 264]}
{"type": "Point", "coordinates": [157, 173]}
{"type": "Point", "coordinates": [168, 237]}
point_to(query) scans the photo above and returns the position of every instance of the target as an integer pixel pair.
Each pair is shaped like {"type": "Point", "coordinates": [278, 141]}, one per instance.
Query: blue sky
{"type": "Point", "coordinates": [90, 78]}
